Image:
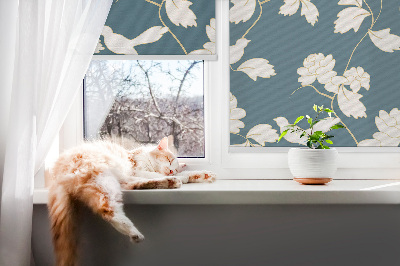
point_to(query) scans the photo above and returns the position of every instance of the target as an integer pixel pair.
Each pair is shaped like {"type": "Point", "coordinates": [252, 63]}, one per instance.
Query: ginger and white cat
{"type": "Point", "coordinates": [95, 173]}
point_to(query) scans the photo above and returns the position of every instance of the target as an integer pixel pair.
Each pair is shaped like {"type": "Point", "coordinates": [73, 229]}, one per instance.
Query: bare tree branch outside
{"type": "Point", "coordinates": [144, 101]}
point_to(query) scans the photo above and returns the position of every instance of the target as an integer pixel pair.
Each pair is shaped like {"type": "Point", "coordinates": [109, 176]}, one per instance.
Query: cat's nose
{"type": "Point", "coordinates": [171, 172]}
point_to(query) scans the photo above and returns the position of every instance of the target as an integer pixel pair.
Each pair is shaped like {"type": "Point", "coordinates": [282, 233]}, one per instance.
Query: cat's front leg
{"type": "Point", "coordinates": [197, 177]}
{"type": "Point", "coordinates": [147, 174]}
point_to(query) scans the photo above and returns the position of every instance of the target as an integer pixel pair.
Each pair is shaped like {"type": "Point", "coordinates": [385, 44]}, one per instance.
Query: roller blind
{"type": "Point", "coordinates": [160, 27]}
{"type": "Point", "coordinates": [286, 56]}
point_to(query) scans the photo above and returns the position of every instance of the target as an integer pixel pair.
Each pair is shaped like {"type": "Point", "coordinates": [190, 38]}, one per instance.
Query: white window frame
{"type": "Point", "coordinates": [238, 162]}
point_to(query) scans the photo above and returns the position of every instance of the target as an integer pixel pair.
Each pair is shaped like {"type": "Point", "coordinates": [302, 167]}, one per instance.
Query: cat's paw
{"type": "Point", "coordinates": [201, 176]}
{"type": "Point", "coordinates": [174, 182]}
{"type": "Point", "coordinates": [181, 167]}
{"type": "Point", "coordinates": [137, 237]}
{"type": "Point", "coordinates": [210, 177]}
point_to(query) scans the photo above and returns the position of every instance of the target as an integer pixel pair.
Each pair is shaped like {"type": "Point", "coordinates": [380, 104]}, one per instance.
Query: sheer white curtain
{"type": "Point", "coordinates": [55, 41]}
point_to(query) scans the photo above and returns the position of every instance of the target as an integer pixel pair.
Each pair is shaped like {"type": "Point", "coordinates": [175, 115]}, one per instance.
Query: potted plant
{"type": "Point", "coordinates": [317, 163]}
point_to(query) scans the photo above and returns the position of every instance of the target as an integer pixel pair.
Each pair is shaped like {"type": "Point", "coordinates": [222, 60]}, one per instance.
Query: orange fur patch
{"type": "Point", "coordinates": [196, 176]}
{"type": "Point", "coordinates": [132, 157]}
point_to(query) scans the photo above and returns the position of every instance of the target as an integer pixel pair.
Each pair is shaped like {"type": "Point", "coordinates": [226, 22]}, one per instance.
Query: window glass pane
{"type": "Point", "coordinates": [140, 102]}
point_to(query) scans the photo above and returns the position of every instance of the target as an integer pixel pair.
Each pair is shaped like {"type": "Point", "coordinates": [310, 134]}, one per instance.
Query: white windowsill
{"type": "Point", "coordinates": [264, 192]}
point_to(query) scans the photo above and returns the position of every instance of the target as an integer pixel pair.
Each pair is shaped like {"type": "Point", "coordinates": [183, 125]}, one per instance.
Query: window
{"type": "Point", "coordinates": [213, 152]}
{"type": "Point", "coordinates": [142, 101]}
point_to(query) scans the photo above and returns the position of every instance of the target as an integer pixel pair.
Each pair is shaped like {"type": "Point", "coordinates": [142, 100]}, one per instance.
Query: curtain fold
{"type": "Point", "coordinates": [55, 43]}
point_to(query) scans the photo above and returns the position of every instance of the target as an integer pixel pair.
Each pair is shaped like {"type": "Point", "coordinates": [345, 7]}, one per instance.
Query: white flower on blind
{"type": "Point", "coordinates": [384, 40]}
{"type": "Point", "coordinates": [209, 47]}
{"type": "Point", "coordinates": [334, 84]}
{"type": "Point", "coordinates": [349, 103]}
{"type": "Point", "coordinates": [293, 137]}
{"type": "Point", "coordinates": [247, 143]}
{"type": "Point", "coordinates": [234, 115]}
{"type": "Point", "coordinates": [263, 133]}
{"type": "Point", "coordinates": [325, 124]}
{"type": "Point", "coordinates": [119, 44]}
{"type": "Point", "coordinates": [210, 30]}
{"type": "Point", "coordinates": [350, 18]}
{"type": "Point", "coordinates": [179, 12]}
{"type": "Point", "coordinates": [351, 2]}
{"type": "Point", "coordinates": [389, 130]}
{"type": "Point", "coordinates": [317, 66]}
{"type": "Point", "coordinates": [308, 9]}
{"type": "Point", "coordinates": [99, 47]}
{"type": "Point", "coordinates": [150, 35]}
{"type": "Point", "coordinates": [242, 10]}
{"type": "Point", "coordinates": [357, 78]}
{"type": "Point", "coordinates": [257, 67]}
{"type": "Point", "coordinates": [320, 67]}
{"type": "Point", "coordinates": [236, 51]}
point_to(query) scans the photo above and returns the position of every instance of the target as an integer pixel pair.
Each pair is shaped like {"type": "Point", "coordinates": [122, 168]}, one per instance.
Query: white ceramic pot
{"type": "Point", "coordinates": [312, 166]}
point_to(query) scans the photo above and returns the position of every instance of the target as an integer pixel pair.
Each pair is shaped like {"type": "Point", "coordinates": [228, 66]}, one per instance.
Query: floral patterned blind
{"type": "Point", "coordinates": [287, 55]}
{"type": "Point", "coordinates": [159, 27]}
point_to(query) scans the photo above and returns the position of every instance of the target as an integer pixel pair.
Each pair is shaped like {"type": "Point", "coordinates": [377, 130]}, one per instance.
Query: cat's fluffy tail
{"type": "Point", "coordinates": [62, 213]}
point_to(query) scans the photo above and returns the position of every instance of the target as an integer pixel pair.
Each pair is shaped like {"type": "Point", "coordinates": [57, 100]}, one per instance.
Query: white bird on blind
{"type": "Point", "coordinates": [119, 44]}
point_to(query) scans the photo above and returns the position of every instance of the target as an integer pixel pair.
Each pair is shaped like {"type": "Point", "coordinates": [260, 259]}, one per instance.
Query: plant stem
{"type": "Point", "coordinates": [154, 3]}
{"type": "Point", "coordinates": [348, 130]}
{"type": "Point", "coordinates": [173, 35]}
{"type": "Point", "coordinates": [321, 93]}
{"type": "Point", "coordinates": [251, 144]}
{"type": "Point", "coordinates": [348, 63]}
{"type": "Point", "coordinates": [365, 35]}
{"type": "Point", "coordinates": [255, 22]}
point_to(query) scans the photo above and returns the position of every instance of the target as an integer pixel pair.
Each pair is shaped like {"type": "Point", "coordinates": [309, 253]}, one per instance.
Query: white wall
{"type": "Point", "coordinates": [323, 235]}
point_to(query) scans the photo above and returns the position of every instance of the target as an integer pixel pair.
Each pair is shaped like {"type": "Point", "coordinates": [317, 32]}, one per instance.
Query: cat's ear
{"type": "Point", "coordinates": [163, 145]}
{"type": "Point", "coordinates": [171, 146]}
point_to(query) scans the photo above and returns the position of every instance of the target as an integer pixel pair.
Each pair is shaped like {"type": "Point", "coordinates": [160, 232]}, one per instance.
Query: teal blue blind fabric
{"type": "Point", "coordinates": [159, 27]}
{"type": "Point", "coordinates": [287, 55]}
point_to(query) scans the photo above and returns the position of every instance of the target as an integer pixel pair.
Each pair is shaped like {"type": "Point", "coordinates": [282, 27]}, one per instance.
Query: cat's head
{"type": "Point", "coordinates": [165, 161]}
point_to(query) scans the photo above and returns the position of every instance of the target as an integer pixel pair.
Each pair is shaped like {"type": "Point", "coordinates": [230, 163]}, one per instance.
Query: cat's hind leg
{"type": "Point", "coordinates": [164, 182]}
{"type": "Point", "coordinates": [103, 195]}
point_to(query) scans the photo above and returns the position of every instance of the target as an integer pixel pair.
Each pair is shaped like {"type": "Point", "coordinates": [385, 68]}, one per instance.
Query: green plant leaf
{"type": "Point", "coordinates": [329, 141]}
{"type": "Point", "coordinates": [337, 126]}
{"type": "Point", "coordinates": [319, 133]}
{"type": "Point", "coordinates": [298, 120]}
{"type": "Point", "coordinates": [310, 121]}
{"type": "Point", "coordinates": [283, 134]}
{"type": "Point", "coordinates": [314, 122]}
{"type": "Point", "coordinates": [315, 108]}
{"type": "Point", "coordinates": [328, 110]}
{"type": "Point", "coordinates": [309, 144]}
{"type": "Point", "coordinates": [327, 137]}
